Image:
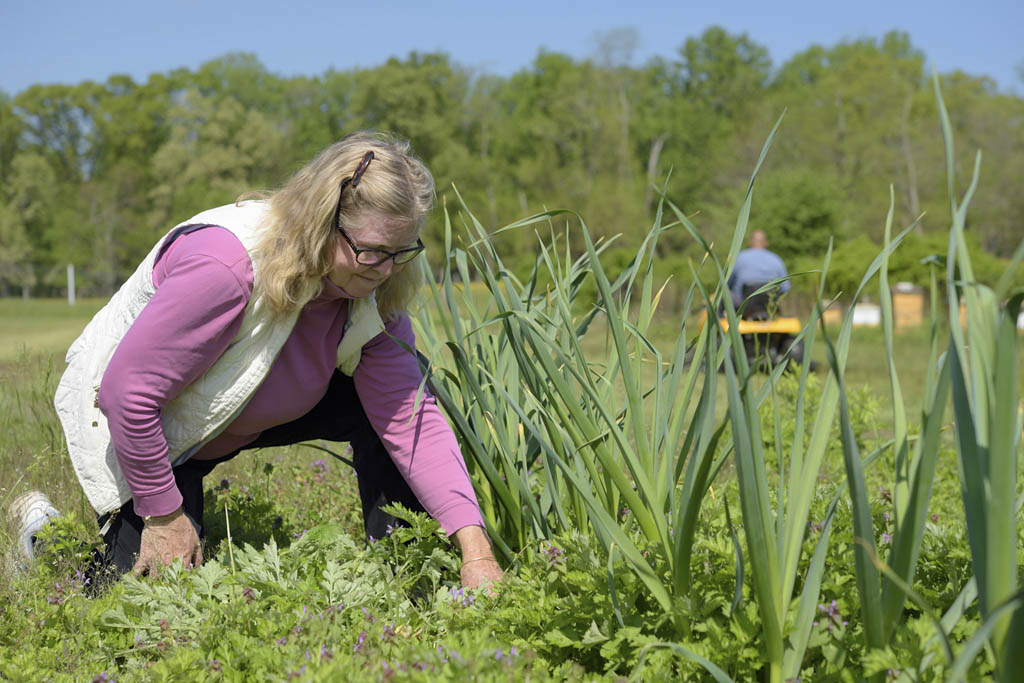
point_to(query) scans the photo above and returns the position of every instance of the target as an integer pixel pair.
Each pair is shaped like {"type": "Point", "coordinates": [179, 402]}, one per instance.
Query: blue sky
{"type": "Point", "coordinates": [60, 41]}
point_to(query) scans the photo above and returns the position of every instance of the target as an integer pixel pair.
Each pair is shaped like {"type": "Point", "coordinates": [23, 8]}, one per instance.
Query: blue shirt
{"type": "Point", "coordinates": [756, 265]}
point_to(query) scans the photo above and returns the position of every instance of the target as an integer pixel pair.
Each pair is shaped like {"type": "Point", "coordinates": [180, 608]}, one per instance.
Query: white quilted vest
{"type": "Point", "coordinates": [206, 406]}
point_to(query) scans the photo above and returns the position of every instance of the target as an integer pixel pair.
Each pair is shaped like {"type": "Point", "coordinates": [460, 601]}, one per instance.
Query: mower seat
{"type": "Point", "coordinates": [763, 306]}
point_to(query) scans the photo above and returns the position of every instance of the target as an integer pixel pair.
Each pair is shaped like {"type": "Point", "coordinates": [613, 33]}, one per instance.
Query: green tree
{"type": "Point", "coordinates": [239, 76]}
{"type": "Point", "coordinates": [725, 72]}
{"type": "Point", "coordinates": [26, 212]}
{"type": "Point", "coordinates": [800, 211]}
{"type": "Point", "coordinates": [675, 134]}
{"type": "Point", "coordinates": [851, 112]}
{"type": "Point", "coordinates": [103, 169]}
{"type": "Point", "coordinates": [721, 78]}
{"type": "Point", "coordinates": [567, 131]}
{"type": "Point", "coordinates": [484, 179]}
{"type": "Point", "coordinates": [420, 98]}
{"type": "Point", "coordinates": [15, 251]}
{"type": "Point", "coordinates": [991, 123]}
{"type": "Point", "coordinates": [306, 116]}
{"type": "Point", "coordinates": [58, 120]}
{"type": "Point", "coordinates": [11, 129]}
{"type": "Point", "coordinates": [216, 150]}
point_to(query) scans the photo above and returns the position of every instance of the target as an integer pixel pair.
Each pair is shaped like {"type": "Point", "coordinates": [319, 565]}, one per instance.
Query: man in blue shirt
{"type": "Point", "coordinates": [756, 265]}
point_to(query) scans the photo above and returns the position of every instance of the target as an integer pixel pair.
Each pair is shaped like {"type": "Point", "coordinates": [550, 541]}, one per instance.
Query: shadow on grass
{"type": "Point", "coordinates": [253, 521]}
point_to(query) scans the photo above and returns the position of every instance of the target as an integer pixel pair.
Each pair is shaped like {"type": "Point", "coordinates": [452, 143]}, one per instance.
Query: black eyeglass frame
{"type": "Point", "coordinates": [397, 256]}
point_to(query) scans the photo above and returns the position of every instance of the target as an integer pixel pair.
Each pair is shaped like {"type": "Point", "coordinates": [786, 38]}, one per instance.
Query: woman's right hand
{"type": "Point", "coordinates": [166, 538]}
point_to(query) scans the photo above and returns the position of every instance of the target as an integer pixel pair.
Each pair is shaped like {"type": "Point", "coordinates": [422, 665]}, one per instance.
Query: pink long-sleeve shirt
{"type": "Point", "coordinates": [203, 282]}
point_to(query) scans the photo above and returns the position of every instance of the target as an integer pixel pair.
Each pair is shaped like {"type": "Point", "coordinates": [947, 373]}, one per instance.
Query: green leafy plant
{"type": "Point", "coordinates": [980, 372]}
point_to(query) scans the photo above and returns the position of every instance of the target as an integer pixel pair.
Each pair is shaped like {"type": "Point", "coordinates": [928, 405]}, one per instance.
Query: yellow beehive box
{"type": "Point", "coordinates": [833, 315]}
{"type": "Point", "coordinates": [907, 306]}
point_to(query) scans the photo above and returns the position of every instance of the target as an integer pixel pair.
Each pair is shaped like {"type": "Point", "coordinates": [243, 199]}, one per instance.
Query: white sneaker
{"type": "Point", "coordinates": [29, 513]}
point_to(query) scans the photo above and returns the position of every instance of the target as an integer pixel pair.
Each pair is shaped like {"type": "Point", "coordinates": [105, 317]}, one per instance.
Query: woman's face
{"type": "Point", "coordinates": [369, 231]}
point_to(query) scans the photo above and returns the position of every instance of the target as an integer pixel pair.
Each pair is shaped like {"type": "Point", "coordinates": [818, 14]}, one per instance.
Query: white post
{"type": "Point", "coordinates": [71, 284]}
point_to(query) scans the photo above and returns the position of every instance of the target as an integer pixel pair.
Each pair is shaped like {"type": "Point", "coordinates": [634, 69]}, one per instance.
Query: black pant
{"type": "Point", "coordinates": [339, 416]}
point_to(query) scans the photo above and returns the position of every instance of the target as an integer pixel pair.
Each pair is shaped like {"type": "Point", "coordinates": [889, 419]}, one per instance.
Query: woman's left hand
{"type": "Point", "coordinates": [478, 563]}
{"type": "Point", "coordinates": [476, 573]}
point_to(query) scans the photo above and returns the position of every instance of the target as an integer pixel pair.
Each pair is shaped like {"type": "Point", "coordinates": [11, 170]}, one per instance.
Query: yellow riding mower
{"type": "Point", "coordinates": [766, 335]}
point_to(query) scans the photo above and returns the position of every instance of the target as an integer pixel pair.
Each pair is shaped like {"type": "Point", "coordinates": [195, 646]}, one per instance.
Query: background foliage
{"type": "Point", "coordinates": [93, 173]}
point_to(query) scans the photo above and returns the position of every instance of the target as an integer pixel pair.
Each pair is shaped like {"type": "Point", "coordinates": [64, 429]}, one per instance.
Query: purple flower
{"type": "Point", "coordinates": [369, 616]}
{"type": "Point", "coordinates": [834, 617]}
{"type": "Point", "coordinates": [502, 657]}
{"type": "Point", "coordinates": [553, 552]}
{"type": "Point", "coordinates": [359, 643]}
{"type": "Point", "coordinates": [459, 594]}
{"type": "Point", "coordinates": [935, 517]}
{"type": "Point", "coordinates": [886, 538]}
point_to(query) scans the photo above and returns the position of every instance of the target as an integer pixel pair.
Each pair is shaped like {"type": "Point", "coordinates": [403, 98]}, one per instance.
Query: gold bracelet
{"type": "Point", "coordinates": [477, 559]}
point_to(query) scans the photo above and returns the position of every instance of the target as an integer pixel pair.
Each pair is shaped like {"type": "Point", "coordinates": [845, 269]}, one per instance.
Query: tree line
{"type": "Point", "coordinates": [92, 174]}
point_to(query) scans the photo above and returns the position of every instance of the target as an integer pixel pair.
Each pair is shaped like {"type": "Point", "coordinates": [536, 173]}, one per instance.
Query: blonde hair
{"type": "Point", "coordinates": [297, 250]}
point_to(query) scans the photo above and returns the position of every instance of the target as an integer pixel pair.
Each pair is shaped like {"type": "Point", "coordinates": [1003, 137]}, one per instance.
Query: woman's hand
{"type": "Point", "coordinates": [478, 563]}
{"type": "Point", "coordinates": [166, 538]}
{"type": "Point", "coordinates": [477, 572]}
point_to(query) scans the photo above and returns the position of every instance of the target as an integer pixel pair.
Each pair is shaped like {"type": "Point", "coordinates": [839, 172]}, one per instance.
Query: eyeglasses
{"type": "Point", "coordinates": [371, 257]}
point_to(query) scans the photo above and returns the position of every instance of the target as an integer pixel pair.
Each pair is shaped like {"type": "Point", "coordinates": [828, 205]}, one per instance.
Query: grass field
{"type": "Point", "coordinates": [555, 610]}
{"type": "Point", "coordinates": [41, 327]}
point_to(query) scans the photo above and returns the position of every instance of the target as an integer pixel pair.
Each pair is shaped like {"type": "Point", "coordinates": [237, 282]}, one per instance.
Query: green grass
{"type": "Point", "coordinates": [41, 326]}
